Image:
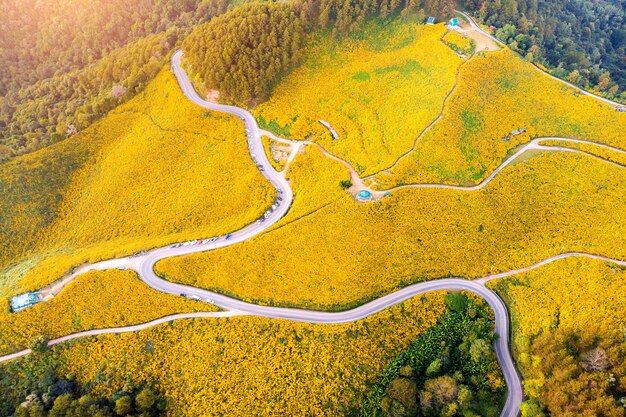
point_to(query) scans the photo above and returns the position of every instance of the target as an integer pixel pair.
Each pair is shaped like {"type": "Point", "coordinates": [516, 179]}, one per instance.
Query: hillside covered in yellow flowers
{"type": "Point", "coordinates": [552, 203]}
{"type": "Point", "coordinates": [157, 170]}
{"type": "Point", "coordinates": [411, 104]}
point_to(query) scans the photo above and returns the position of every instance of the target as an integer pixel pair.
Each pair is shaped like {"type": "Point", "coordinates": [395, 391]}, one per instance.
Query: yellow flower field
{"type": "Point", "coordinates": [459, 42]}
{"type": "Point", "coordinates": [95, 300]}
{"type": "Point", "coordinates": [560, 313]}
{"type": "Point", "coordinates": [497, 93]}
{"type": "Point", "coordinates": [604, 153]}
{"type": "Point", "coordinates": [253, 365]}
{"type": "Point", "coordinates": [332, 252]}
{"type": "Point", "coordinates": [158, 170]}
{"type": "Point", "coordinates": [377, 92]}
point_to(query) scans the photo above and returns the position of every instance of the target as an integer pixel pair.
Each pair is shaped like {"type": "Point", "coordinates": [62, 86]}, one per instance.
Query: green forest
{"type": "Point", "coordinates": [67, 63]}
{"type": "Point", "coordinates": [582, 41]}
{"type": "Point", "coordinates": [38, 391]}
{"type": "Point", "coordinates": [244, 52]}
{"type": "Point", "coordinates": [53, 397]}
{"type": "Point", "coordinates": [451, 370]}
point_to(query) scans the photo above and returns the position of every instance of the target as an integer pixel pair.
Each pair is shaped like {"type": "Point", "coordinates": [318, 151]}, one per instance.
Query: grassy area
{"type": "Point", "coordinates": [497, 93]}
{"type": "Point", "coordinates": [240, 366]}
{"type": "Point", "coordinates": [332, 252]}
{"type": "Point", "coordinates": [562, 314]}
{"type": "Point", "coordinates": [154, 171]}
{"type": "Point", "coordinates": [378, 89]}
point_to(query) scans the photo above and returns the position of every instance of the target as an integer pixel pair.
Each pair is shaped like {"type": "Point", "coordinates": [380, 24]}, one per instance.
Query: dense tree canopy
{"type": "Point", "coordinates": [244, 52]}
{"type": "Point", "coordinates": [451, 370]}
{"type": "Point", "coordinates": [583, 41]}
{"type": "Point", "coordinates": [62, 60]}
{"type": "Point", "coordinates": [53, 397]}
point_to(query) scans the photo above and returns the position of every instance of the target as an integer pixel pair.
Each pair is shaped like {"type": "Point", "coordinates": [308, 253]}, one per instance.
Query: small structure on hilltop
{"type": "Point", "coordinates": [364, 195]}
{"type": "Point", "coordinates": [514, 132]}
{"type": "Point", "coordinates": [22, 301]}
{"type": "Point", "coordinates": [454, 22]}
{"type": "Point", "coordinates": [430, 21]}
{"type": "Point", "coordinates": [330, 128]}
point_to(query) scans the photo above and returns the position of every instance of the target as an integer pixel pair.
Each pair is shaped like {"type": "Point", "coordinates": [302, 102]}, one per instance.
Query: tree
{"type": "Point", "coordinates": [124, 405]}
{"type": "Point", "coordinates": [531, 408]}
{"type": "Point", "coordinates": [434, 368]}
{"type": "Point", "coordinates": [506, 33]}
{"type": "Point", "coordinates": [145, 400]}
{"type": "Point", "coordinates": [345, 184]}
{"type": "Point", "coordinates": [479, 350]}
{"type": "Point", "coordinates": [61, 405]}
{"type": "Point", "coordinates": [456, 302]}
{"type": "Point", "coordinates": [39, 344]}
{"type": "Point", "coordinates": [438, 392]}
{"type": "Point", "coordinates": [596, 360]}
{"type": "Point", "coordinates": [118, 91]}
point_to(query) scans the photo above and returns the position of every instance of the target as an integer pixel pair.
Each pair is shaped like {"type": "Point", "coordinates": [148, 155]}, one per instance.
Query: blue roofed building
{"type": "Point", "coordinates": [20, 302]}
{"type": "Point", "coordinates": [454, 22]}
{"type": "Point", "coordinates": [431, 20]}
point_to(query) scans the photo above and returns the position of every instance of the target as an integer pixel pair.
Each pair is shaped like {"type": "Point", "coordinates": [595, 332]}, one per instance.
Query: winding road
{"type": "Point", "coordinates": [476, 27]}
{"type": "Point", "coordinates": [144, 264]}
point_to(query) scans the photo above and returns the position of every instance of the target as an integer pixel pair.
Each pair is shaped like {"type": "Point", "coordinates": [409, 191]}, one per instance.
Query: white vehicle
{"type": "Point", "coordinates": [208, 300]}
{"type": "Point", "coordinates": [195, 297]}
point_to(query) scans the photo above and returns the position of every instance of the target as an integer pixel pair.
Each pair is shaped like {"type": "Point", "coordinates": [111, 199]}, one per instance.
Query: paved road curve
{"type": "Point", "coordinates": [144, 265]}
